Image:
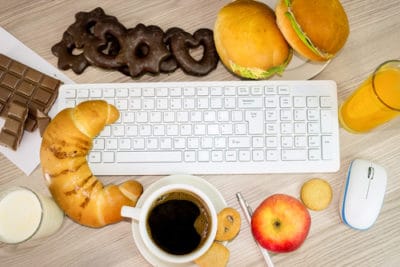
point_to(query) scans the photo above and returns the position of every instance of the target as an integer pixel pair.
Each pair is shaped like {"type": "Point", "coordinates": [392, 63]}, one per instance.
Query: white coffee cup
{"type": "Point", "coordinates": [141, 214]}
{"type": "Point", "coordinates": [25, 215]}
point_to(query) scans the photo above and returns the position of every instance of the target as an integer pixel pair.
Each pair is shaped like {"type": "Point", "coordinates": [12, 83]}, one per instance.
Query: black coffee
{"type": "Point", "coordinates": [178, 223]}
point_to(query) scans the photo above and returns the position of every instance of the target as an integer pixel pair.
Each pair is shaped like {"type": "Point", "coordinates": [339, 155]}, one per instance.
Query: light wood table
{"type": "Point", "coordinates": [374, 38]}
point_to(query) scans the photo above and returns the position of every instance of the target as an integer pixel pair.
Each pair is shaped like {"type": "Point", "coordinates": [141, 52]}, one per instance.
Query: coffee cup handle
{"type": "Point", "coordinates": [130, 212]}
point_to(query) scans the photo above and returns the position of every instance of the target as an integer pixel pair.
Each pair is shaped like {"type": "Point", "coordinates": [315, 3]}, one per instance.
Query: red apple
{"type": "Point", "coordinates": [281, 223]}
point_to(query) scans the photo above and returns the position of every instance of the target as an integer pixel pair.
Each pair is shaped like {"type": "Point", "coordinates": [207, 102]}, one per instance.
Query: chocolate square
{"type": "Point", "coordinates": [8, 140]}
{"type": "Point", "coordinates": [17, 68]}
{"type": "Point", "coordinates": [33, 75]}
{"type": "Point", "coordinates": [10, 81]}
{"type": "Point", "coordinates": [4, 61]}
{"type": "Point", "coordinates": [25, 88]}
{"type": "Point", "coordinates": [13, 126]}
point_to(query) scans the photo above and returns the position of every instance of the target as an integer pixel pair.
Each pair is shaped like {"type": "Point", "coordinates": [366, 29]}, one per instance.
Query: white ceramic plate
{"type": "Point", "coordinates": [206, 187]}
{"type": "Point", "coordinates": [299, 68]}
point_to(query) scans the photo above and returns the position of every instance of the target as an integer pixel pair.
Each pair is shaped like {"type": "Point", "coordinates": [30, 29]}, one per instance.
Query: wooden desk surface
{"type": "Point", "coordinates": [374, 38]}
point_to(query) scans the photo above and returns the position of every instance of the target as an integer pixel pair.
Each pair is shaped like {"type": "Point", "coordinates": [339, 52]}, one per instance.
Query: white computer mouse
{"type": "Point", "coordinates": [363, 194]}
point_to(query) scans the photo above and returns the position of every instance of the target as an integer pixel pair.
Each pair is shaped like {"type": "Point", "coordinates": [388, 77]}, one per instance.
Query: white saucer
{"type": "Point", "coordinates": [299, 68]}
{"type": "Point", "coordinates": [210, 190]}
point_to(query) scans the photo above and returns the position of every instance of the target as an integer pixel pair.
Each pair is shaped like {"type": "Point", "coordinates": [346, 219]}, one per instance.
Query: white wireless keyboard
{"type": "Point", "coordinates": [214, 127]}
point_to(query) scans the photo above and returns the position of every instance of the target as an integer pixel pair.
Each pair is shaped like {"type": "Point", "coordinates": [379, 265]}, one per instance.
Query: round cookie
{"type": "Point", "coordinates": [316, 194]}
{"type": "Point", "coordinates": [229, 223]}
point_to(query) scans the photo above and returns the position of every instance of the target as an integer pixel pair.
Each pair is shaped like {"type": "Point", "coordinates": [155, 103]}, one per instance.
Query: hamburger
{"type": "Point", "coordinates": [248, 41]}
{"type": "Point", "coordinates": [316, 29]}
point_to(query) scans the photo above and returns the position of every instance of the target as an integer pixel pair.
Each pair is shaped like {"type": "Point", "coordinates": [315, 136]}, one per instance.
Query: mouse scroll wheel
{"type": "Point", "coordinates": [371, 172]}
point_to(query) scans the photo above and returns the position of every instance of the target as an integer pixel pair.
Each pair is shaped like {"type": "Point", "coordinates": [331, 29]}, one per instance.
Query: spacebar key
{"type": "Point", "coordinates": [143, 157]}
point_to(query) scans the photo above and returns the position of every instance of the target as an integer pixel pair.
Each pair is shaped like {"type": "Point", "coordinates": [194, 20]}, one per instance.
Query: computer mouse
{"type": "Point", "coordinates": [363, 194]}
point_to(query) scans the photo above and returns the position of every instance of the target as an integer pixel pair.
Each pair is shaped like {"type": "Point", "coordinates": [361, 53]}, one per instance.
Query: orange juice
{"type": "Point", "coordinates": [375, 102]}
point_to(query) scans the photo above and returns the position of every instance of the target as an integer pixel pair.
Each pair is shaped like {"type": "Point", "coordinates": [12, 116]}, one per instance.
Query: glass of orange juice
{"type": "Point", "coordinates": [375, 102]}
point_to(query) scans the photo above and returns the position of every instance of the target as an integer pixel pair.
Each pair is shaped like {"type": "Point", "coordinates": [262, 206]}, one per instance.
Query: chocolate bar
{"type": "Point", "coordinates": [42, 120]}
{"type": "Point", "coordinates": [13, 129]}
{"type": "Point", "coordinates": [28, 87]}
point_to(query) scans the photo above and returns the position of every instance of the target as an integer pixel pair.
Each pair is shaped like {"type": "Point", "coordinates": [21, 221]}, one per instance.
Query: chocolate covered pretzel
{"type": "Point", "coordinates": [181, 42]}
{"type": "Point", "coordinates": [98, 39]}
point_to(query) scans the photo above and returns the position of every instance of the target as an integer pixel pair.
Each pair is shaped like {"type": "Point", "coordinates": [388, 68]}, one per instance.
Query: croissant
{"type": "Point", "coordinates": [66, 142]}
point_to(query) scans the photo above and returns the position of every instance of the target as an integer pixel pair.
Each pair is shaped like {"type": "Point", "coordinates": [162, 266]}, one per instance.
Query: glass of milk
{"type": "Point", "coordinates": [25, 215]}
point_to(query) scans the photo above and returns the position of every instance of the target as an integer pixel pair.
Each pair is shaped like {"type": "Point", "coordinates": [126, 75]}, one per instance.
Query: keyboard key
{"type": "Point", "coordinates": [95, 93]}
{"type": "Point", "coordinates": [326, 121]}
{"type": "Point", "coordinates": [152, 143]}
{"type": "Point", "coordinates": [294, 154]}
{"type": "Point", "coordinates": [326, 101]}
{"type": "Point", "coordinates": [240, 128]}
{"type": "Point", "coordinates": [272, 141]}
{"type": "Point", "coordinates": [213, 129]}
{"type": "Point", "coordinates": [135, 91]}
{"type": "Point", "coordinates": [314, 154]}
{"type": "Point", "coordinates": [230, 90]}
{"type": "Point", "coordinates": [300, 141]}
{"type": "Point", "coordinates": [206, 142]}
{"type": "Point", "coordinates": [124, 143]}
{"type": "Point", "coordinates": [175, 91]}
{"type": "Point", "coordinates": [108, 157]}
{"type": "Point", "coordinates": [313, 127]}
{"type": "Point", "coordinates": [82, 93]}
{"type": "Point", "coordinates": [202, 91]}
{"type": "Point", "coordinates": [299, 115]}
{"type": "Point", "coordinates": [256, 121]}
{"type": "Point", "coordinates": [250, 102]}
{"type": "Point", "coordinates": [314, 141]}
{"type": "Point", "coordinates": [299, 101]}
{"type": "Point", "coordinates": [98, 144]}
{"type": "Point", "coordinates": [95, 157]}
{"type": "Point", "coordinates": [271, 115]}
{"type": "Point", "coordinates": [220, 142]}
{"type": "Point", "coordinates": [138, 143]}
{"type": "Point", "coordinates": [165, 143]}
{"type": "Point", "coordinates": [190, 156]}
{"type": "Point", "coordinates": [287, 141]}
{"type": "Point", "coordinates": [229, 102]}
{"type": "Point", "coordinates": [256, 90]}
{"type": "Point", "coordinates": [122, 92]}
{"type": "Point", "coordinates": [272, 155]}
{"type": "Point", "coordinates": [257, 141]}
{"type": "Point", "coordinates": [111, 144]}
{"type": "Point", "coordinates": [216, 156]}
{"type": "Point", "coordinates": [141, 117]}
{"type": "Point", "coordinates": [231, 155]}
{"type": "Point", "coordinates": [271, 101]}
{"type": "Point", "coordinates": [244, 155]}
{"type": "Point", "coordinates": [283, 90]}
{"type": "Point", "coordinates": [188, 91]}
{"type": "Point", "coordinates": [312, 101]}
{"type": "Point", "coordinates": [239, 142]}
{"type": "Point", "coordinates": [131, 130]}
{"type": "Point", "coordinates": [216, 91]}
{"type": "Point", "coordinates": [258, 155]}
{"type": "Point", "coordinates": [203, 103]}
{"type": "Point", "coordinates": [193, 143]}
{"type": "Point", "coordinates": [148, 92]}
{"type": "Point", "coordinates": [327, 147]}
{"type": "Point", "coordinates": [143, 157]}
{"type": "Point", "coordinates": [243, 90]}
{"type": "Point", "coordinates": [204, 156]}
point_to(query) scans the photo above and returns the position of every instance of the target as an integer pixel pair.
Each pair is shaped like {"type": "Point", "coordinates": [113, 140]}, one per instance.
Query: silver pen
{"type": "Point", "coordinates": [248, 212]}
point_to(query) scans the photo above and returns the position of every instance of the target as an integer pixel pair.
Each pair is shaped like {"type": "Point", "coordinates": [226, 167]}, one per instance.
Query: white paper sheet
{"type": "Point", "coordinates": [27, 155]}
